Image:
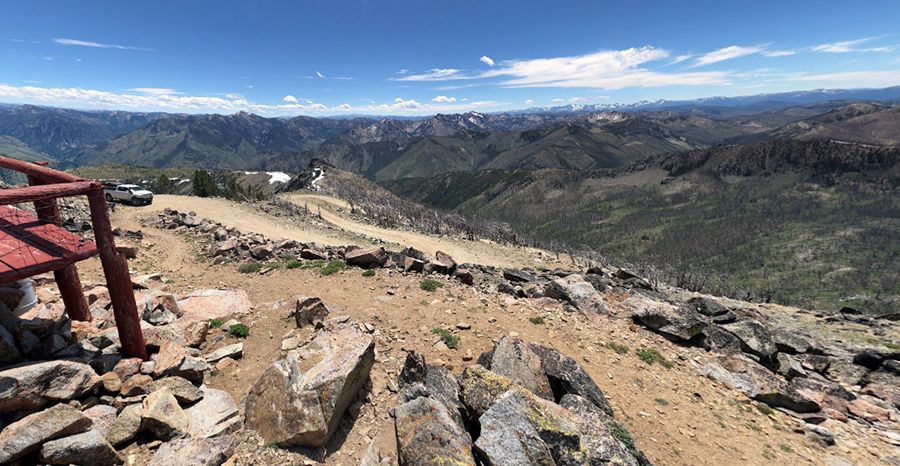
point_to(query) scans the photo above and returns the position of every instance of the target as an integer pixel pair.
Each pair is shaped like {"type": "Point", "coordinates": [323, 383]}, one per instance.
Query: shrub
{"type": "Point", "coordinates": [215, 323]}
{"type": "Point", "coordinates": [430, 285]}
{"type": "Point", "coordinates": [449, 339]}
{"type": "Point", "coordinates": [239, 330]}
{"type": "Point", "coordinates": [651, 355]}
{"type": "Point", "coordinates": [536, 320]}
{"type": "Point", "coordinates": [765, 409]}
{"type": "Point", "coordinates": [293, 263]}
{"type": "Point", "coordinates": [249, 267]}
{"type": "Point", "coordinates": [204, 184]}
{"type": "Point", "coordinates": [617, 347]}
{"type": "Point", "coordinates": [661, 401]}
{"type": "Point", "coordinates": [333, 267]}
{"type": "Point", "coordinates": [368, 273]}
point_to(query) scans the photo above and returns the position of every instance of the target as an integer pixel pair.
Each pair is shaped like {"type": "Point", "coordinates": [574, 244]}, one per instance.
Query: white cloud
{"type": "Point", "coordinates": [444, 99]}
{"type": "Point", "coordinates": [528, 101]}
{"type": "Point", "coordinates": [681, 58]}
{"type": "Point", "coordinates": [289, 99]}
{"type": "Point", "coordinates": [726, 53]}
{"type": "Point", "coordinates": [320, 75]}
{"type": "Point", "coordinates": [98, 45]}
{"type": "Point", "coordinates": [487, 60]}
{"type": "Point", "coordinates": [614, 69]}
{"type": "Point", "coordinates": [779, 53]}
{"type": "Point", "coordinates": [154, 90]}
{"type": "Point", "coordinates": [557, 101]}
{"type": "Point", "coordinates": [435, 74]}
{"type": "Point", "coordinates": [848, 46]}
{"type": "Point", "coordinates": [47, 58]}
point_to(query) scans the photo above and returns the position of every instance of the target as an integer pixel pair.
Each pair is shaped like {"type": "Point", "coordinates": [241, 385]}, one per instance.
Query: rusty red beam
{"type": "Point", "coordinates": [47, 175]}
{"type": "Point", "coordinates": [118, 279]}
{"type": "Point", "coordinates": [46, 191]}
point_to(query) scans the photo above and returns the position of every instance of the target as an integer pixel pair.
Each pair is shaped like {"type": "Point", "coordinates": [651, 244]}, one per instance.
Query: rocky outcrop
{"type": "Point", "coordinates": [428, 435]}
{"type": "Point", "coordinates": [194, 452]}
{"type": "Point", "coordinates": [33, 385]}
{"type": "Point", "coordinates": [86, 449]}
{"type": "Point", "coordinates": [29, 433]}
{"type": "Point", "coordinates": [289, 406]}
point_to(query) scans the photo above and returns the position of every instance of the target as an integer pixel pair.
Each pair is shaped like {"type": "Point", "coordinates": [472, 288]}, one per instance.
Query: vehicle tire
{"type": "Point", "coordinates": [109, 197]}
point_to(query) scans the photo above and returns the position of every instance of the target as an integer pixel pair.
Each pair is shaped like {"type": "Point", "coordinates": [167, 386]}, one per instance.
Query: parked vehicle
{"type": "Point", "coordinates": [127, 193]}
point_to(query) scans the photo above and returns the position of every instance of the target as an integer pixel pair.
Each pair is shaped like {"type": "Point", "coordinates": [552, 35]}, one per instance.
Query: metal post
{"type": "Point", "coordinates": [67, 279]}
{"type": "Point", "coordinates": [118, 279]}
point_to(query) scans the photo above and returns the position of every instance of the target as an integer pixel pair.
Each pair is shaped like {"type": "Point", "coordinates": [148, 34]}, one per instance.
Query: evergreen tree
{"type": "Point", "coordinates": [162, 185]}
{"type": "Point", "coordinates": [204, 184]}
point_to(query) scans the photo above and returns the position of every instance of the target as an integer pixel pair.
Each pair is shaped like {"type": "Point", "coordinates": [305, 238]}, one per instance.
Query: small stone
{"type": "Point", "coordinates": [111, 382]}
{"type": "Point", "coordinates": [163, 416]}
{"type": "Point", "coordinates": [88, 449]}
{"type": "Point", "coordinates": [136, 385]}
{"type": "Point", "coordinates": [463, 326]}
{"type": "Point", "coordinates": [126, 426]}
{"type": "Point", "coordinates": [231, 351]}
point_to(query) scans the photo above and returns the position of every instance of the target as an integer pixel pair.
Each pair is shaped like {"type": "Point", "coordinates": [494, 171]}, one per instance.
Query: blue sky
{"type": "Point", "coordinates": [423, 57]}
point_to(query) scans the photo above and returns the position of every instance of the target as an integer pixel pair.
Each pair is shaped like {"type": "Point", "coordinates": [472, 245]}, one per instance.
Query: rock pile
{"type": "Point", "coordinates": [69, 396]}
{"type": "Point", "coordinates": [806, 378]}
{"type": "Point", "coordinates": [522, 404]}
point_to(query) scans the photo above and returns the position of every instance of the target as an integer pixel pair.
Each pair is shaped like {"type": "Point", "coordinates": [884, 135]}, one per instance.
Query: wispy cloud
{"type": "Point", "coordinates": [486, 60]}
{"type": "Point", "coordinates": [444, 99]}
{"type": "Point", "coordinates": [320, 75]}
{"type": "Point", "coordinates": [616, 69]}
{"type": "Point", "coordinates": [850, 79]}
{"type": "Point", "coordinates": [154, 90]}
{"type": "Point", "coordinates": [778, 53]}
{"type": "Point", "coordinates": [849, 46]}
{"type": "Point", "coordinates": [98, 45]}
{"type": "Point", "coordinates": [726, 53]}
{"type": "Point", "coordinates": [436, 74]}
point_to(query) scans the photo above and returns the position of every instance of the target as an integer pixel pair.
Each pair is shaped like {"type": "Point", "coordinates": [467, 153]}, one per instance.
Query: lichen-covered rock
{"type": "Point", "coordinates": [427, 435]}
{"type": "Point", "coordinates": [515, 360]}
{"type": "Point", "coordinates": [288, 406]}
{"type": "Point", "coordinates": [84, 449]}
{"type": "Point", "coordinates": [29, 433]}
{"type": "Point", "coordinates": [34, 385]}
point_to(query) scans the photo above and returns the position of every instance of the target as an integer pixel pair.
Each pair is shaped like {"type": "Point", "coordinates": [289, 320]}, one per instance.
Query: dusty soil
{"type": "Point", "coordinates": [676, 415]}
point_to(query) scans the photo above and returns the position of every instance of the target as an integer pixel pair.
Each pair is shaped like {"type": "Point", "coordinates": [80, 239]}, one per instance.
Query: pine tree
{"type": "Point", "coordinates": [204, 184]}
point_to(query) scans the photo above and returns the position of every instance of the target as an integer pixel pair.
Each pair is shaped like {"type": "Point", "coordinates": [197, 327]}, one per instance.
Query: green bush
{"type": "Point", "coordinates": [617, 347]}
{"type": "Point", "coordinates": [430, 285]}
{"type": "Point", "coordinates": [239, 330]}
{"type": "Point", "coordinates": [651, 355]}
{"type": "Point", "coordinates": [203, 183]}
{"type": "Point", "coordinates": [293, 263]}
{"type": "Point", "coordinates": [369, 273]}
{"type": "Point", "coordinates": [215, 323]}
{"type": "Point", "coordinates": [249, 267]}
{"type": "Point", "coordinates": [449, 339]}
{"type": "Point", "coordinates": [536, 320]}
{"type": "Point", "coordinates": [333, 267]}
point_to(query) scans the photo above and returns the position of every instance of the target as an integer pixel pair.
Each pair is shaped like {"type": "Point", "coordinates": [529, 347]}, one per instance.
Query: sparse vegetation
{"type": "Point", "coordinates": [215, 323]}
{"type": "Point", "coordinates": [652, 355]}
{"type": "Point", "coordinates": [250, 267]}
{"type": "Point", "coordinates": [617, 347]}
{"type": "Point", "coordinates": [785, 448]}
{"type": "Point", "coordinates": [661, 401]}
{"type": "Point", "coordinates": [430, 285]}
{"type": "Point", "coordinates": [765, 409]}
{"type": "Point", "coordinates": [448, 337]}
{"type": "Point", "coordinates": [333, 267]}
{"type": "Point", "coordinates": [293, 263]}
{"type": "Point", "coordinates": [536, 320]}
{"type": "Point", "coordinates": [239, 330]}
{"type": "Point", "coordinates": [369, 273]}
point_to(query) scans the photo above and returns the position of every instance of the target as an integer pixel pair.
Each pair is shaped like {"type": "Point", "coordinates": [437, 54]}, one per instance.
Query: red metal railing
{"type": "Point", "coordinates": [46, 185]}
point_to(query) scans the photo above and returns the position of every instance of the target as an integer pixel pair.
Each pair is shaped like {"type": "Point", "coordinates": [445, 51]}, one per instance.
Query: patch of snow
{"type": "Point", "coordinates": [278, 177]}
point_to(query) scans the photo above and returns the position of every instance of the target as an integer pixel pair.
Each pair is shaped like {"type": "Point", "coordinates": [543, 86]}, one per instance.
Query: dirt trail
{"type": "Point", "coordinates": [476, 252]}
{"type": "Point", "coordinates": [346, 231]}
{"type": "Point", "coordinates": [676, 415]}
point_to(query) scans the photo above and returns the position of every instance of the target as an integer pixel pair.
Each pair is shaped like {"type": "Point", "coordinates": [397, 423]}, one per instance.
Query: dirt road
{"type": "Point", "coordinates": [345, 230]}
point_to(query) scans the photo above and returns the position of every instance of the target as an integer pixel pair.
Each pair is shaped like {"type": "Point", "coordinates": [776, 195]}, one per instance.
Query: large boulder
{"type": "Point", "coordinates": [759, 383]}
{"type": "Point", "coordinates": [522, 429]}
{"type": "Point", "coordinates": [480, 388]}
{"type": "Point", "coordinates": [214, 415]}
{"type": "Point", "coordinates": [373, 256]}
{"type": "Point", "coordinates": [513, 358]}
{"type": "Point", "coordinates": [163, 416]}
{"type": "Point", "coordinates": [576, 290]}
{"type": "Point", "coordinates": [681, 324]}
{"type": "Point", "coordinates": [290, 406]}
{"type": "Point", "coordinates": [755, 338]}
{"type": "Point", "coordinates": [308, 310]}
{"type": "Point", "coordinates": [428, 435]}
{"type": "Point", "coordinates": [214, 304]}
{"type": "Point", "coordinates": [32, 386]}
{"type": "Point", "coordinates": [126, 426]}
{"type": "Point", "coordinates": [84, 449]}
{"type": "Point", "coordinates": [194, 452]}
{"type": "Point", "coordinates": [29, 433]}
